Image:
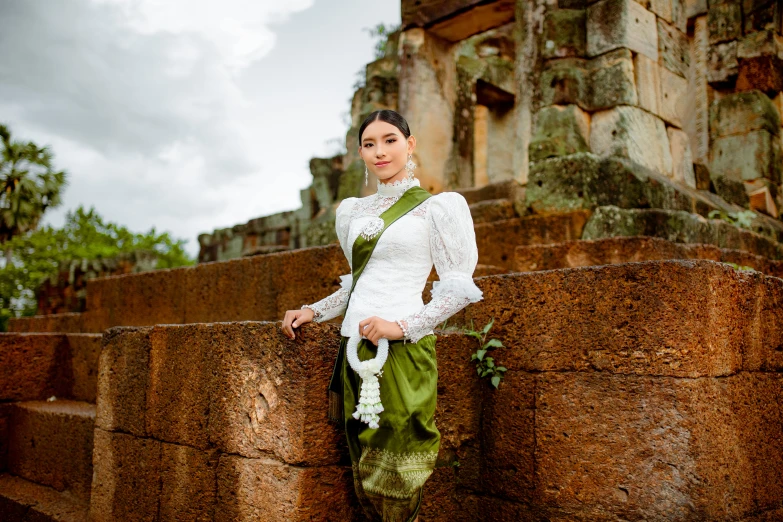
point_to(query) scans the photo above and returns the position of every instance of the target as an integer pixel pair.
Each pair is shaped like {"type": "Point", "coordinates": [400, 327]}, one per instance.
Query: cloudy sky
{"type": "Point", "coordinates": [186, 115]}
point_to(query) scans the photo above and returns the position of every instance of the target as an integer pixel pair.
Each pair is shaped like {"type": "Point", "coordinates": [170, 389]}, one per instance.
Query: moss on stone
{"type": "Point", "coordinates": [321, 232]}
{"type": "Point", "coordinates": [743, 112]}
{"type": "Point", "coordinates": [581, 181]}
{"type": "Point", "coordinates": [564, 82]}
{"type": "Point", "coordinates": [564, 33]}
{"type": "Point", "coordinates": [559, 131]}
{"type": "Point", "coordinates": [351, 181]}
{"type": "Point", "coordinates": [603, 82]}
{"type": "Point", "coordinates": [731, 190]}
{"type": "Point", "coordinates": [679, 226]}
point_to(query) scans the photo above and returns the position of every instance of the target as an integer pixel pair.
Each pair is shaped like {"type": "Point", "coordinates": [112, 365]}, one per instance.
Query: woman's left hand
{"type": "Point", "coordinates": [377, 329]}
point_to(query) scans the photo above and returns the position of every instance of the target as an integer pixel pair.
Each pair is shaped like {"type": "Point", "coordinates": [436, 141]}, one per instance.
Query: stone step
{"type": "Point", "coordinates": [570, 254]}
{"type": "Point", "coordinates": [67, 322]}
{"type": "Point", "coordinates": [264, 287]}
{"type": "Point", "coordinates": [25, 501]}
{"type": "Point", "coordinates": [492, 210]}
{"type": "Point", "coordinates": [50, 443]}
{"type": "Point", "coordinates": [509, 190]}
{"type": "Point", "coordinates": [37, 366]}
{"type": "Point", "coordinates": [497, 241]}
{"type": "Point", "coordinates": [609, 368]}
{"type": "Point", "coordinates": [682, 227]}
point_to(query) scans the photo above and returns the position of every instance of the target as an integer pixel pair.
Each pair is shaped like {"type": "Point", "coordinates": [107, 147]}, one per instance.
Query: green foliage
{"type": "Point", "coordinates": [381, 33]}
{"type": "Point", "coordinates": [485, 365]}
{"type": "Point", "coordinates": [360, 79]}
{"type": "Point", "coordinates": [29, 184]}
{"type": "Point", "coordinates": [742, 219]}
{"type": "Point", "coordinates": [35, 256]}
{"type": "Point", "coordinates": [735, 266]}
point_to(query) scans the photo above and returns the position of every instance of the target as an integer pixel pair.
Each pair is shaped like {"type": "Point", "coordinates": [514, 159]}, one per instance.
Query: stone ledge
{"type": "Point", "coordinates": [24, 500]}
{"type": "Point", "coordinates": [68, 322]}
{"type": "Point", "coordinates": [457, 19]}
{"type": "Point", "coordinates": [37, 366]}
{"type": "Point", "coordinates": [680, 227]}
{"type": "Point", "coordinates": [50, 443]}
{"type": "Point", "coordinates": [614, 250]}
{"type": "Point", "coordinates": [497, 241]}
{"type": "Point", "coordinates": [666, 318]}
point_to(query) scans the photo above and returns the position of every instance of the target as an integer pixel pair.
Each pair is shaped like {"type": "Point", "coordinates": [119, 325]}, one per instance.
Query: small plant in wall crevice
{"type": "Point", "coordinates": [742, 219]}
{"type": "Point", "coordinates": [485, 364]}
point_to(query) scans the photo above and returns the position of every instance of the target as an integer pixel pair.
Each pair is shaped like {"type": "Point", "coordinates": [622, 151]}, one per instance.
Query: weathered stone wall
{"type": "Point", "coordinates": [668, 84]}
{"type": "Point", "coordinates": [67, 291]}
{"type": "Point", "coordinates": [615, 250]}
{"type": "Point", "coordinates": [593, 421]}
{"type": "Point", "coordinates": [264, 287]}
{"type": "Point", "coordinates": [38, 366]}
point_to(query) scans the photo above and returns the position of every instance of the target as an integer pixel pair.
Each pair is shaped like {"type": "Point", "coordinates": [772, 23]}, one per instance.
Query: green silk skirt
{"type": "Point", "coordinates": [391, 463]}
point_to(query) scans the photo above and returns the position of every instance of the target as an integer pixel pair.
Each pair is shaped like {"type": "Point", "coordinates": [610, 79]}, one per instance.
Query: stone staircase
{"type": "Point", "coordinates": [644, 383]}
{"type": "Point", "coordinates": [48, 385]}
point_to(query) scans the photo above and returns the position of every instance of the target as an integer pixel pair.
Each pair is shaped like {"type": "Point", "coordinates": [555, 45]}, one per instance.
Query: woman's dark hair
{"type": "Point", "coordinates": [389, 116]}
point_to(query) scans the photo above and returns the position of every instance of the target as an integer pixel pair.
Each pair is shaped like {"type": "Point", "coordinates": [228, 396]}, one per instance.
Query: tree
{"type": "Point", "coordinates": [381, 34]}
{"type": "Point", "coordinates": [29, 183]}
{"type": "Point", "coordinates": [36, 255]}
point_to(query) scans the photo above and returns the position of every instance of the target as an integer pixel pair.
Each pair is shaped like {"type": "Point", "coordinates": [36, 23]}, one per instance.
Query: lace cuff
{"type": "Point", "coordinates": [332, 305]}
{"type": "Point", "coordinates": [457, 284]}
{"type": "Point", "coordinates": [449, 296]}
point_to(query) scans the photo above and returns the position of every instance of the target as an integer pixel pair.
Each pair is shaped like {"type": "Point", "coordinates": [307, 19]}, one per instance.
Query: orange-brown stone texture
{"type": "Point", "coordinates": [642, 391]}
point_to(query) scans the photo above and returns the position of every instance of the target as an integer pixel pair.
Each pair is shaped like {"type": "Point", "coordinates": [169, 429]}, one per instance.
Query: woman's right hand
{"type": "Point", "coordinates": [295, 319]}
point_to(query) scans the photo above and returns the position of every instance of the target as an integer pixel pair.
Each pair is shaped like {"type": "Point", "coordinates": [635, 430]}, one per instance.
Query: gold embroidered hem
{"type": "Point", "coordinates": [395, 475]}
{"type": "Point", "coordinates": [392, 463]}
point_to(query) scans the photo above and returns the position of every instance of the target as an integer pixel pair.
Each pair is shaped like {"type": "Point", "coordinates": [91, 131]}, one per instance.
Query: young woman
{"type": "Point", "coordinates": [391, 240]}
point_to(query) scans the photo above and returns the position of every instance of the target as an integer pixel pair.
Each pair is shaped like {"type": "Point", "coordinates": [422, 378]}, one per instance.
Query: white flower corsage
{"type": "Point", "coordinates": [370, 394]}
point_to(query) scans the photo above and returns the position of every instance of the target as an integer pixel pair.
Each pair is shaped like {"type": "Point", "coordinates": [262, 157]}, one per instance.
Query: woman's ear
{"type": "Point", "coordinates": [411, 144]}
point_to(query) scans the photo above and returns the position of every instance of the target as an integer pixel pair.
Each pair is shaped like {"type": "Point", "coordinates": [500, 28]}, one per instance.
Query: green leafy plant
{"type": "Point", "coordinates": [381, 33]}
{"type": "Point", "coordinates": [742, 219]}
{"type": "Point", "coordinates": [735, 266]}
{"type": "Point", "coordinates": [29, 184]}
{"type": "Point", "coordinates": [485, 365]}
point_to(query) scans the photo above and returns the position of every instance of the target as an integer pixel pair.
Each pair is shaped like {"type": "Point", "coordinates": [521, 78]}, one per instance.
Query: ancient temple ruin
{"type": "Point", "coordinates": [498, 91]}
{"type": "Point", "coordinates": [610, 152]}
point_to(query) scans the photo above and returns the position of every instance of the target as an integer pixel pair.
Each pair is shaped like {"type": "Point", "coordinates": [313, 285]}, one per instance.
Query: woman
{"type": "Point", "coordinates": [382, 299]}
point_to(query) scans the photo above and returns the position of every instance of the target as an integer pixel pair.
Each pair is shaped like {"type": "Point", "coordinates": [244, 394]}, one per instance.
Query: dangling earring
{"type": "Point", "coordinates": [366, 174]}
{"type": "Point", "coordinates": [410, 166]}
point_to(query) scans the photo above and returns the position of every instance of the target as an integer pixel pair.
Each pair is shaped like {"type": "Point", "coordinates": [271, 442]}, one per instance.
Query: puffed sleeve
{"type": "Point", "coordinates": [334, 304]}
{"type": "Point", "coordinates": [454, 252]}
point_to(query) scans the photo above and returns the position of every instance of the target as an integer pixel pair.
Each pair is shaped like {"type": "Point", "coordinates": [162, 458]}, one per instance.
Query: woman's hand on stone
{"type": "Point", "coordinates": [295, 319]}
{"type": "Point", "coordinates": [375, 329]}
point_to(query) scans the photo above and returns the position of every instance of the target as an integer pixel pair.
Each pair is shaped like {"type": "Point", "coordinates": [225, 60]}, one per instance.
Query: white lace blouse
{"type": "Point", "coordinates": [438, 231]}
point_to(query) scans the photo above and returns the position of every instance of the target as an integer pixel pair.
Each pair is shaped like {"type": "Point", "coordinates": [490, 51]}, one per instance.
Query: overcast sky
{"type": "Point", "coordinates": [186, 115]}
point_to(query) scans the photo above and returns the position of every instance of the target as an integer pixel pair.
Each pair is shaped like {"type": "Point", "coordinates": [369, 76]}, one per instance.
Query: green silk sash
{"type": "Point", "coordinates": [360, 255]}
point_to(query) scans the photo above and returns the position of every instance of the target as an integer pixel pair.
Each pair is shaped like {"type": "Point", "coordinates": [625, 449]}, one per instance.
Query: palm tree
{"type": "Point", "coordinates": [29, 184]}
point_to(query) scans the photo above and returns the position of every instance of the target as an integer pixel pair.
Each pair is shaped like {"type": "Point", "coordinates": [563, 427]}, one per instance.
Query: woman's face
{"type": "Point", "coordinates": [385, 151]}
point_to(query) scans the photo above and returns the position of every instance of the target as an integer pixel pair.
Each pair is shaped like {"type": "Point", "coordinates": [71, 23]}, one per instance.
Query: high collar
{"type": "Point", "coordinates": [397, 188]}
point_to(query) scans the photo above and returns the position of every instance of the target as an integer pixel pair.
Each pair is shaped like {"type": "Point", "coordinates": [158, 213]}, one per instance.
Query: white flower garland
{"type": "Point", "coordinates": [370, 395]}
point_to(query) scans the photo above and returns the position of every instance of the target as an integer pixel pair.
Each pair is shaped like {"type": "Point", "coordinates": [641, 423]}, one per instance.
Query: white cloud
{"type": "Point", "coordinates": [239, 29]}
{"type": "Point", "coordinates": [183, 115]}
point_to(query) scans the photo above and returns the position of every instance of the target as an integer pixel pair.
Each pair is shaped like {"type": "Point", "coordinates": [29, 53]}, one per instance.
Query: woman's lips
{"type": "Point", "coordinates": [382, 163]}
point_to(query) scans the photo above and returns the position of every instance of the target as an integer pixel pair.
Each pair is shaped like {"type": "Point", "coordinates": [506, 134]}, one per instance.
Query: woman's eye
{"type": "Point", "coordinates": [368, 144]}
{"type": "Point", "coordinates": [391, 140]}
